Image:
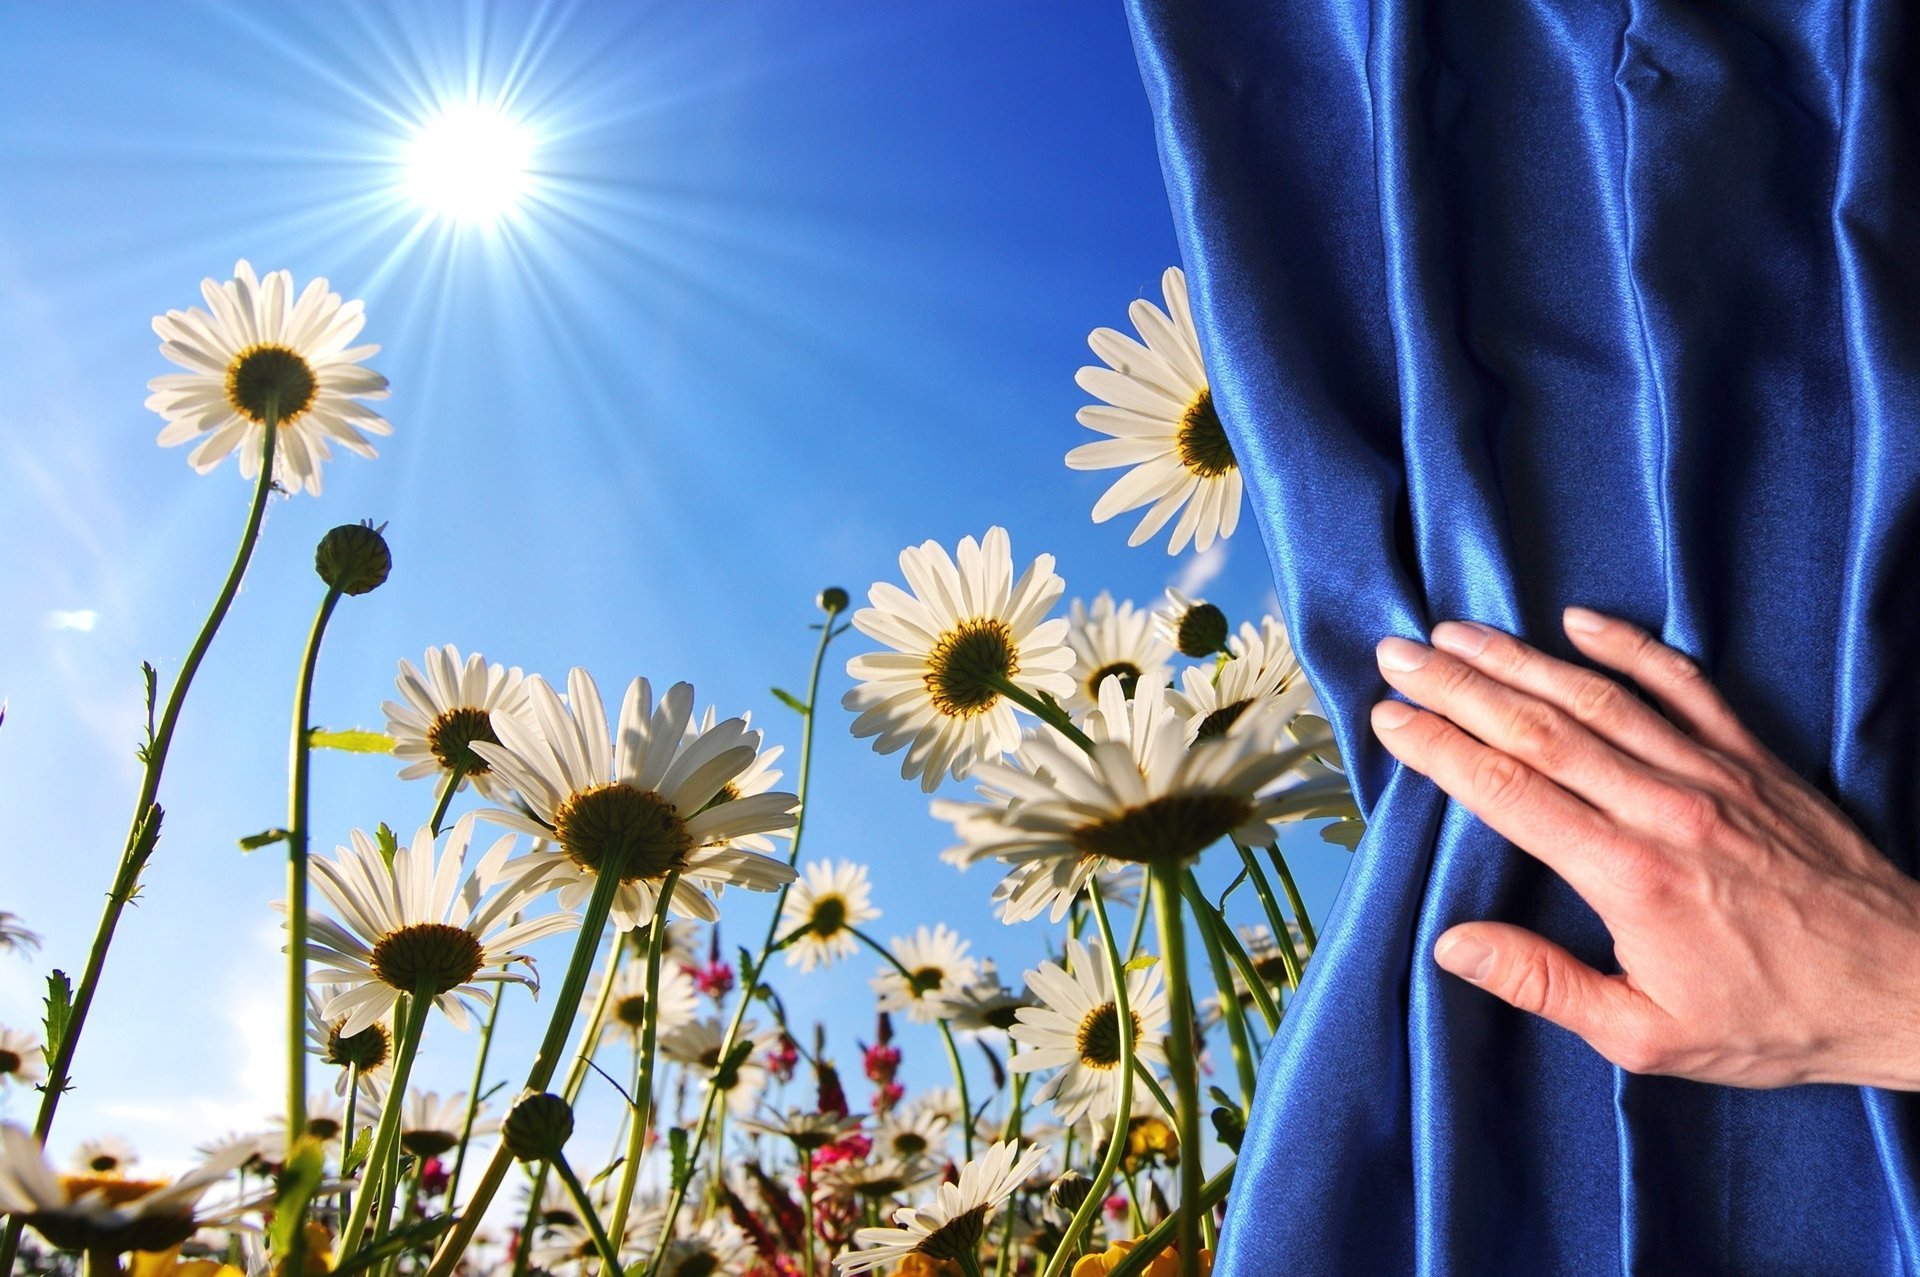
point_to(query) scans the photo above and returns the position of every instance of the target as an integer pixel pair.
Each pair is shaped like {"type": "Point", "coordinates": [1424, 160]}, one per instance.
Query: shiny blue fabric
{"type": "Point", "coordinates": [1516, 305]}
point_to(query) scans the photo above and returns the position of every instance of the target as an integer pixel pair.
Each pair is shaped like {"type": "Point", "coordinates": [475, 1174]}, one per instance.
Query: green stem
{"type": "Point", "coordinates": [300, 765]}
{"type": "Point", "coordinates": [144, 831]}
{"type": "Point", "coordinates": [1276, 921]}
{"type": "Point", "coordinates": [455, 775]}
{"type": "Point", "coordinates": [1009, 1134]}
{"type": "Point", "coordinates": [1294, 899]}
{"type": "Point", "coordinates": [1239, 1041]}
{"type": "Point", "coordinates": [1140, 911]}
{"type": "Point", "coordinates": [1210, 920]}
{"type": "Point", "coordinates": [592, 924]}
{"type": "Point", "coordinates": [750, 976]}
{"type": "Point", "coordinates": [1046, 711]}
{"type": "Point", "coordinates": [946, 1033]}
{"type": "Point", "coordinates": [1157, 1238]}
{"type": "Point", "coordinates": [347, 1133]}
{"type": "Point", "coordinates": [1123, 1109]}
{"type": "Point", "coordinates": [1152, 1083]}
{"type": "Point", "coordinates": [649, 1046]}
{"type": "Point", "coordinates": [387, 1138]}
{"type": "Point", "coordinates": [473, 1093]}
{"type": "Point", "coordinates": [970, 1262]}
{"type": "Point", "coordinates": [806, 1198]}
{"type": "Point", "coordinates": [1180, 1061]}
{"type": "Point", "coordinates": [609, 1253]}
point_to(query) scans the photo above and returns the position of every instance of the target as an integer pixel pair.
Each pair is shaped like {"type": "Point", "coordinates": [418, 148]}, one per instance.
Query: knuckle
{"type": "Point", "coordinates": [1531, 985]}
{"type": "Point", "coordinates": [1498, 779]}
{"type": "Point", "coordinates": [1596, 700]}
{"type": "Point", "coordinates": [1455, 678]}
{"type": "Point", "coordinates": [1691, 814]}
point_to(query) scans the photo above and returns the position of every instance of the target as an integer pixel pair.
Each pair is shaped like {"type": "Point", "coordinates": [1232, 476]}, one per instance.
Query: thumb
{"type": "Point", "coordinates": [1537, 975]}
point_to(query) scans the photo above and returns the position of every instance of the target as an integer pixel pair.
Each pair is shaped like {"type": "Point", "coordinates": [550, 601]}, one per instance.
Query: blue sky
{"type": "Point", "coordinates": [800, 287]}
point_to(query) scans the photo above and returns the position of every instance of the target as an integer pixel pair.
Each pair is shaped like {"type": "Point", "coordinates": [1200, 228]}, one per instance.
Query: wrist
{"type": "Point", "coordinates": [1889, 1054]}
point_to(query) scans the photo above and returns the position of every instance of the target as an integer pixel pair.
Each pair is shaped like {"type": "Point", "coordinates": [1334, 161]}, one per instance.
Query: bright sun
{"type": "Point", "coordinates": [469, 162]}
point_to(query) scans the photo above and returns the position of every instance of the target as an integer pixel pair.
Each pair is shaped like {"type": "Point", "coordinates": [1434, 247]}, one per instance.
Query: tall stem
{"type": "Point", "coordinates": [387, 1138]}
{"type": "Point", "coordinates": [1123, 1107]}
{"type": "Point", "coordinates": [1276, 921]}
{"type": "Point", "coordinates": [1294, 899]}
{"type": "Point", "coordinates": [609, 1253]}
{"type": "Point", "coordinates": [473, 1093]}
{"type": "Point", "coordinates": [1046, 711]}
{"type": "Point", "coordinates": [1180, 1060]}
{"type": "Point", "coordinates": [592, 924]}
{"type": "Point", "coordinates": [649, 1046]}
{"type": "Point", "coordinates": [144, 831]}
{"type": "Point", "coordinates": [300, 768]}
{"type": "Point", "coordinates": [946, 1032]}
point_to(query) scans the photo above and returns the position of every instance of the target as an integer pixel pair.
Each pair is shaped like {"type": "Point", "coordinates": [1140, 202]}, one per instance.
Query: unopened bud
{"type": "Point", "coordinates": [833, 599]}
{"type": "Point", "coordinates": [537, 1127]}
{"type": "Point", "coordinates": [353, 558]}
{"type": "Point", "coordinates": [1202, 631]}
{"type": "Point", "coordinates": [1067, 1194]}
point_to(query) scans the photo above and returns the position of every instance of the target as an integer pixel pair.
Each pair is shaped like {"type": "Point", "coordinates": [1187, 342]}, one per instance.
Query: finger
{"type": "Point", "coordinates": [1518, 803]}
{"type": "Point", "coordinates": [1538, 976]}
{"type": "Point", "coordinates": [1539, 734]}
{"type": "Point", "coordinates": [1671, 677]}
{"type": "Point", "coordinates": [1595, 701]}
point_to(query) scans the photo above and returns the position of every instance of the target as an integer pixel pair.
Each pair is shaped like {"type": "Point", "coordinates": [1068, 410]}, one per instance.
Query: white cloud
{"type": "Point", "coordinates": [82, 620]}
{"type": "Point", "coordinates": [1198, 572]}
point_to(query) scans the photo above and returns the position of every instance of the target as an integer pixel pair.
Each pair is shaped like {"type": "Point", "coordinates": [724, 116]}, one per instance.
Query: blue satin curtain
{"type": "Point", "coordinates": [1510, 306]}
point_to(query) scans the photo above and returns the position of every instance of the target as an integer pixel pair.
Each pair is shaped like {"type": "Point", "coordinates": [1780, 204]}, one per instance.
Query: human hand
{"type": "Point", "coordinates": [1762, 940]}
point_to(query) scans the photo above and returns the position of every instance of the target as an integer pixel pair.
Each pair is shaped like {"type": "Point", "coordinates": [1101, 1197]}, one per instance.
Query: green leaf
{"type": "Point", "coordinates": [265, 838]}
{"type": "Point", "coordinates": [152, 677]}
{"type": "Point", "coordinates": [727, 1076]}
{"type": "Point", "coordinates": [1144, 962]}
{"type": "Point", "coordinates": [388, 842]}
{"type": "Point", "coordinates": [362, 1145]}
{"type": "Point", "coordinates": [677, 1147]}
{"type": "Point", "coordinates": [791, 701]}
{"type": "Point", "coordinates": [397, 1242]}
{"type": "Point", "coordinates": [293, 1188]}
{"type": "Point", "coordinates": [59, 1011]}
{"type": "Point", "coordinates": [352, 742]}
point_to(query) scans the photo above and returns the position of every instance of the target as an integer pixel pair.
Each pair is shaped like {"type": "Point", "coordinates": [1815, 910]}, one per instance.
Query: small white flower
{"type": "Point", "coordinates": [430, 1126]}
{"type": "Point", "coordinates": [912, 1132]}
{"type": "Point", "coordinates": [21, 1059]}
{"type": "Point", "coordinates": [937, 966]}
{"type": "Point", "coordinates": [1162, 425]}
{"type": "Point", "coordinates": [445, 708]}
{"type": "Point", "coordinates": [417, 926]}
{"type": "Point", "coordinates": [697, 1047]}
{"type": "Point", "coordinates": [1076, 1030]}
{"type": "Point", "coordinates": [954, 1222]}
{"type": "Point", "coordinates": [644, 800]}
{"type": "Point", "coordinates": [1110, 641]}
{"type": "Point", "coordinates": [369, 1050]}
{"type": "Point", "coordinates": [103, 1210]}
{"type": "Point", "coordinates": [829, 901]}
{"type": "Point", "coordinates": [1262, 672]}
{"type": "Point", "coordinates": [627, 1002]}
{"type": "Point", "coordinates": [967, 626]}
{"type": "Point", "coordinates": [259, 342]}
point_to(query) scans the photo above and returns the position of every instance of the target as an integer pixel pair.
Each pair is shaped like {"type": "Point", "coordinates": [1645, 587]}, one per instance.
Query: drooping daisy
{"type": "Point", "coordinates": [1076, 1030]}
{"type": "Point", "coordinates": [1192, 627]}
{"type": "Point", "coordinates": [102, 1210]}
{"type": "Point", "coordinates": [822, 908]}
{"type": "Point", "coordinates": [984, 1005]}
{"type": "Point", "coordinates": [448, 706]}
{"type": "Point", "coordinates": [805, 1131]}
{"type": "Point", "coordinates": [1263, 671]}
{"type": "Point", "coordinates": [107, 1155]}
{"type": "Point", "coordinates": [1141, 796]}
{"type": "Point", "coordinates": [21, 1059]}
{"type": "Point", "coordinates": [937, 965]}
{"type": "Point", "coordinates": [1159, 414]}
{"type": "Point", "coordinates": [966, 628]}
{"type": "Point", "coordinates": [326, 1121]}
{"type": "Point", "coordinates": [368, 1051]}
{"type": "Point", "coordinates": [696, 1046]}
{"type": "Point", "coordinates": [954, 1222]}
{"type": "Point", "coordinates": [417, 927]}
{"type": "Point", "coordinates": [627, 1003]}
{"type": "Point", "coordinates": [1268, 965]}
{"type": "Point", "coordinates": [430, 1126]}
{"type": "Point", "coordinates": [641, 802]}
{"type": "Point", "coordinates": [14, 936]}
{"type": "Point", "coordinates": [259, 347]}
{"type": "Point", "coordinates": [1110, 641]}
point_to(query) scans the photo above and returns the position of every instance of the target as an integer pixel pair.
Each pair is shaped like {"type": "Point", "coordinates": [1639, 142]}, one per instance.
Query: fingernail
{"type": "Point", "coordinates": [1462, 638]}
{"type": "Point", "coordinates": [1579, 620]}
{"type": "Point", "coordinates": [1401, 654]}
{"type": "Point", "coordinates": [1392, 714]}
{"type": "Point", "coordinates": [1469, 959]}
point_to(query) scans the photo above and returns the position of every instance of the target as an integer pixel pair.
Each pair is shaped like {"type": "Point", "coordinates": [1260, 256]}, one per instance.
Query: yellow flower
{"type": "Point", "coordinates": [1150, 1142]}
{"type": "Point", "coordinates": [918, 1265]}
{"type": "Point", "coordinates": [1165, 1264]}
{"type": "Point", "coordinates": [167, 1263]}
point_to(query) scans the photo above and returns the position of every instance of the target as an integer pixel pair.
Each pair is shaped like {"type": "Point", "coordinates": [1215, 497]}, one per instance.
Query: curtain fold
{"type": "Point", "coordinates": [1510, 306]}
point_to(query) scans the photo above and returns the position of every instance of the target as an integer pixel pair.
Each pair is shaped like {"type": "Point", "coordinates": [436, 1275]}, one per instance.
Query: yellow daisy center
{"type": "Point", "coordinates": [630, 832]}
{"type": "Point", "coordinates": [925, 980]}
{"type": "Point", "coordinates": [829, 917]}
{"type": "Point", "coordinates": [1176, 827]}
{"type": "Point", "coordinates": [909, 1144]}
{"type": "Point", "coordinates": [965, 666]}
{"type": "Point", "coordinates": [1126, 671]}
{"type": "Point", "coordinates": [118, 1190]}
{"type": "Point", "coordinates": [269, 373]}
{"type": "Point", "coordinates": [9, 1062]}
{"type": "Point", "coordinates": [1202, 440]}
{"type": "Point", "coordinates": [149, 1232]}
{"type": "Point", "coordinates": [452, 735]}
{"type": "Point", "coordinates": [367, 1050]}
{"type": "Point", "coordinates": [1098, 1044]}
{"type": "Point", "coordinates": [322, 1128]}
{"type": "Point", "coordinates": [631, 1011]}
{"type": "Point", "coordinates": [427, 956]}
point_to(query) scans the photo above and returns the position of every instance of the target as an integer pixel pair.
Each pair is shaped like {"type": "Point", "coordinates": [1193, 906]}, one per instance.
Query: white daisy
{"type": "Point", "coordinates": [14, 936]}
{"type": "Point", "coordinates": [369, 1050]}
{"type": "Point", "coordinates": [106, 1211]}
{"type": "Point", "coordinates": [954, 1222]}
{"type": "Point", "coordinates": [430, 1126]}
{"type": "Point", "coordinates": [1160, 416]}
{"type": "Point", "coordinates": [966, 628]}
{"type": "Point", "coordinates": [627, 1003]}
{"type": "Point", "coordinates": [107, 1155]}
{"type": "Point", "coordinates": [1110, 641]}
{"type": "Point", "coordinates": [1192, 627]}
{"type": "Point", "coordinates": [261, 344]}
{"type": "Point", "coordinates": [759, 778]}
{"type": "Point", "coordinates": [937, 966]}
{"type": "Point", "coordinates": [822, 909]}
{"type": "Point", "coordinates": [696, 1046]}
{"type": "Point", "coordinates": [874, 1178]}
{"type": "Point", "coordinates": [804, 1130]}
{"type": "Point", "coordinates": [1076, 1030]}
{"type": "Point", "coordinates": [417, 926]}
{"type": "Point", "coordinates": [326, 1122]}
{"type": "Point", "coordinates": [984, 1005]}
{"type": "Point", "coordinates": [645, 800]}
{"type": "Point", "coordinates": [1141, 796]}
{"type": "Point", "coordinates": [715, 1247]}
{"type": "Point", "coordinates": [447, 707]}
{"type": "Point", "coordinates": [909, 1133]}
{"type": "Point", "coordinates": [1262, 671]}
{"type": "Point", "coordinates": [21, 1059]}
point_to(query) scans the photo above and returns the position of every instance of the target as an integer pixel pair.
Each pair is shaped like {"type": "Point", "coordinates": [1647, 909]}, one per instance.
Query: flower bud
{"type": "Point", "coordinates": [353, 558]}
{"type": "Point", "coordinates": [1202, 631]}
{"type": "Point", "coordinates": [833, 599]}
{"type": "Point", "coordinates": [1067, 1193]}
{"type": "Point", "coordinates": [537, 1127]}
